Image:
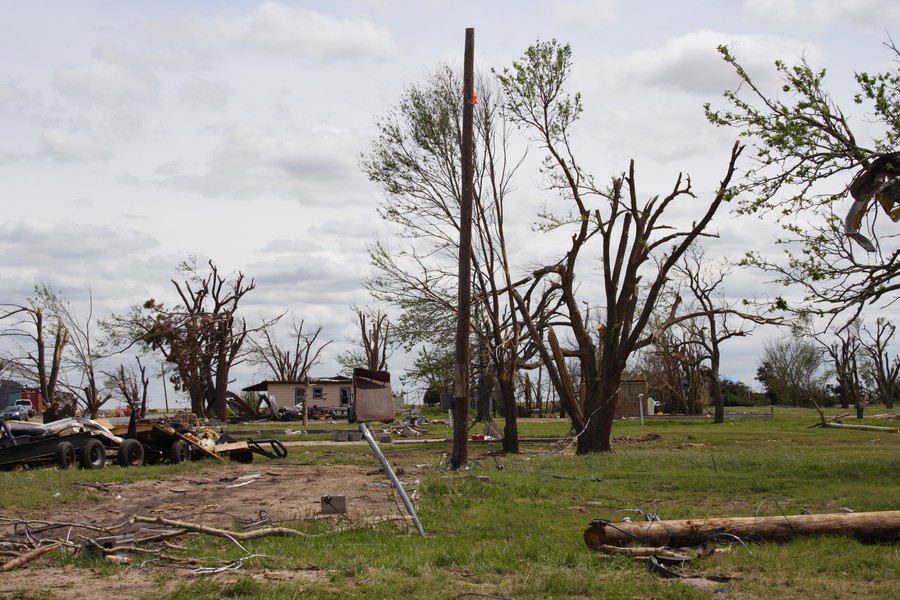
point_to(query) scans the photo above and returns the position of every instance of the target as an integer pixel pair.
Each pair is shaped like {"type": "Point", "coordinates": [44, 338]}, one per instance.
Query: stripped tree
{"type": "Point", "coordinates": [201, 336]}
{"type": "Point", "coordinates": [374, 345]}
{"type": "Point", "coordinates": [636, 249]}
{"type": "Point", "coordinates": [289, 357]}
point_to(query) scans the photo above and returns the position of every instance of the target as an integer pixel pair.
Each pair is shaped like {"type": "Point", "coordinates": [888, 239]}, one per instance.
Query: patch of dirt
{"type": "Point", "coordinates": [222, 496]}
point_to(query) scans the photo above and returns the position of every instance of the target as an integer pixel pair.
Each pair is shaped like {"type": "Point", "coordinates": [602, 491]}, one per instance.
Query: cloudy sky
{"type": "Point", "coordinates": [134, 134]}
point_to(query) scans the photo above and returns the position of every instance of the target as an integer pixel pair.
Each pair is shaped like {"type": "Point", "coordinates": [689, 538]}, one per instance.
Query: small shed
{"type": "Point", "coordinates": [631, 393]}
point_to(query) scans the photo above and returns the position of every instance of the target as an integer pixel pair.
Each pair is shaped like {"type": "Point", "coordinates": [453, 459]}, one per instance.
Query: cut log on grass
{"type": "Point", "coordinates": [862, 427]}
{"type": "Point", "coordinates": [866, 527]}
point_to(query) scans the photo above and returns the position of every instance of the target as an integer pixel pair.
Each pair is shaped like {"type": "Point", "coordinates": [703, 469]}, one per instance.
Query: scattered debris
{"type": "Point", "coordinates": [555, 476]}
{"type": "Point", "coordinates": [331, 505]}
{"type": "Point", "coordinates": [650, 437]}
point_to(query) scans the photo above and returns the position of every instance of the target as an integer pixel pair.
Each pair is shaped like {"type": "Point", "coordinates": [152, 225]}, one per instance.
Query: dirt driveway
{"type": "Point", "coordinates": [216, 497]}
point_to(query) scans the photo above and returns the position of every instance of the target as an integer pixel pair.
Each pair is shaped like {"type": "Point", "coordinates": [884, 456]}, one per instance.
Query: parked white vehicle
{"type": "Point", "coordinates": [27, 405]}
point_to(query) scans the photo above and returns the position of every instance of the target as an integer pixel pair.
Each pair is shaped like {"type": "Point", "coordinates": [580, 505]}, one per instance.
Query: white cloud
{"type": "Point", "coordinates": [117, 263]}
{"type": "Point", "coordinates": [294, 31]}
{"type": "Point", "coordinates": [277, 160]}
{"type": "Point", "coordinates": [73, 145]}
{"type": "Point", "coordinates": [18, 102]}
{"type": "Point", "coordinates": [202, 95]}
{"type": "Point", "coordinates": [106, 82]}
{"type": "Point", "coordinates": [67, 241]}
{"type": "Point", "coordinates": [587, 14]}
{"type": "Point", "coordinates": [692, 64]}
{"type": "Point", "coordinates": [815, 14]}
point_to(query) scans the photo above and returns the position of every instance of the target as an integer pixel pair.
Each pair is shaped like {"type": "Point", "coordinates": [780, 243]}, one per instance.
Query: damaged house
{"type": "Point", "coordinates": [329, 393]}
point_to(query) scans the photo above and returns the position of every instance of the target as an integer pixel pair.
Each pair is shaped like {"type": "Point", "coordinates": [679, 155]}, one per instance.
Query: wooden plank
{"type": "Point", "coordinates": [193, 442]}
{"type": "Point", "coordinates": [232, 446]}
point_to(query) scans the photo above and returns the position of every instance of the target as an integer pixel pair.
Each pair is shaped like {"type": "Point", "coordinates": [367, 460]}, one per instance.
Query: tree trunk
{"type": "Point", "coordinates": [842, 393]}
{"type": "Point", "coordinates": [511, 426]}
{"type": "Point", "coordinates": [600, 411]}
{"type": "Point", "coordinates": [715, 390]}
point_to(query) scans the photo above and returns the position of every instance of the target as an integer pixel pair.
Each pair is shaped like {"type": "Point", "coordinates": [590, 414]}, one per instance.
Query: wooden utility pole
{"type": "Point", "coordinates": [460, 457]}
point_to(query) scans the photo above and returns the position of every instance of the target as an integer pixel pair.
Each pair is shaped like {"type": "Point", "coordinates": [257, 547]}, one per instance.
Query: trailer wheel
{"type": "Point", "coordinates": [131, 454]}
{"type": "Point", "coordinates": [65, 455]}
{"type": "Point", "coordinates": [179, 452]}
{"type": "Point", "coordinates": [93, 455]}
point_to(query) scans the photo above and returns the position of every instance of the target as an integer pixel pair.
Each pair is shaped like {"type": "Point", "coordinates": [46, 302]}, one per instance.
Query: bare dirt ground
{"type": "Point", "coordinates": [219, 496]}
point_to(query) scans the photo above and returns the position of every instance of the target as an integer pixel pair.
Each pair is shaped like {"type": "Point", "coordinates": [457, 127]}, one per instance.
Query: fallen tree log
{"type": "Point", "coordinates": [866, 527]}
{"type": "Point", "coordinates": [862, 427]}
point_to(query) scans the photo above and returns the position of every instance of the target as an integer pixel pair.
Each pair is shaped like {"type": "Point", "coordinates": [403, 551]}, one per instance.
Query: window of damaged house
{"type": "Point", "coordinates": [299, 395]}
{"type": "Point", "coordinates": [318, 393]}
{"type": "Point", "coordinates": [345, 396]}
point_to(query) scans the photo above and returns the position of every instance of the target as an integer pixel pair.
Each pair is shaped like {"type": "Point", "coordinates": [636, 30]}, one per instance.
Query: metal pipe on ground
{"type": "Point", "coordinates": [387, 467]}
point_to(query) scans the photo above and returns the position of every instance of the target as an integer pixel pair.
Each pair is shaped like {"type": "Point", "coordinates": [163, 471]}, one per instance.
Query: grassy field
{"type": "Point", "coordinates": [517, 532]}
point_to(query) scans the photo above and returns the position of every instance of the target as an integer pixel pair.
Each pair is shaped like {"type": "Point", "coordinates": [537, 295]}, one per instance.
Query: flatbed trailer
{"type": "Point", "coordinates": [163, 443]}
{"type": "Point", "coordinates": [68, 445]}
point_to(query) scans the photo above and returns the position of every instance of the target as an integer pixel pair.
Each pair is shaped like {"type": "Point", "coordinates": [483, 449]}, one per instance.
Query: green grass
{"type": "Point", "coordinates": [518, 533]}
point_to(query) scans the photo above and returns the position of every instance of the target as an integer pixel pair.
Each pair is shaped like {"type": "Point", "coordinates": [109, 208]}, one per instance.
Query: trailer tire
{"type": "Point", "coordinates": [66, 457]}
{"type": "Point", "coordinates": [131, 454]}
{"type": "Point", "coordinates": [93, 454]}
{"type": "Point", "coordinates": [179, 452]}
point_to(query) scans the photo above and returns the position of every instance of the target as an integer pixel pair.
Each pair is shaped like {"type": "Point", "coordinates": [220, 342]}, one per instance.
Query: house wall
{"type": "Point", "coordinates": [284, 394]}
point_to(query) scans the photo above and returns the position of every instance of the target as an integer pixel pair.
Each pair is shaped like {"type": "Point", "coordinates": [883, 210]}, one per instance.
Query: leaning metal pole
{"type": "Point", "coordinates": [387, 467]}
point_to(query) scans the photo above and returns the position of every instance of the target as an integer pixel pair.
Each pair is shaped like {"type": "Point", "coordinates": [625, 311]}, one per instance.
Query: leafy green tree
{"type": "Point", "coordinates": [738, 393]}
{"type": "Point", "coordinates": [807, 150]}
{"type": "Point", "coordinates": [416, 158]}
{"type": "Point", "coordinates": [634, 246]}
{"type": "Point", "coordinates": [792, 370]}
{"type": "Point", "coordinates": [432, 371]}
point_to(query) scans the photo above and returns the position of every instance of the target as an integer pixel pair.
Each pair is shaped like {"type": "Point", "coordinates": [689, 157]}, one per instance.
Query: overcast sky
{"type": "Point", "coordinates": [134, 134]}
